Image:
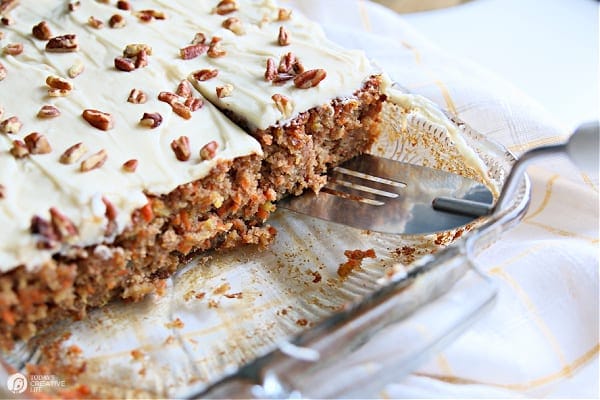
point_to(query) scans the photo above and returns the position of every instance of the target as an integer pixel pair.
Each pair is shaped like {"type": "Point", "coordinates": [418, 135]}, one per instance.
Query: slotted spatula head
{"type": "Point", "coordinates": [389, 196]}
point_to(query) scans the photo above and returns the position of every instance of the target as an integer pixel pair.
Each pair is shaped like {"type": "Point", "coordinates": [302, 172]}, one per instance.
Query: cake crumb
{"type": "Point", "coordinates": [137, 354]}
{"type": "Point", "coordinates": [176, 324]}
{"type": "Point", "coordinates": [355, 258]}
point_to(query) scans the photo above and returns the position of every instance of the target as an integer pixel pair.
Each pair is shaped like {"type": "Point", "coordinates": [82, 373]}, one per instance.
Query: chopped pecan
{"type": "Point", "coordinates": [284, 14]}
{"type": "Point", "coordinates": [19, 149]}
{"type": "Point", "coordinates": [48, 111]}
{"type": "Point", "coordinates": [181, 148]}
{"type": "Point", "coordinates": [284, 37]}
{"type": "Point", "coordinates": [42, 31]}
{"type": "Point", "coordinates": [234, 24]}
{"type": "Point", "coordinates": [74, 5]}
{"type": "Point", "coordinates": [111, 210]}
{"type": "Point", "coordinates": [205, 74]}
{"type": "Point", "coordinates": [151, 120]}
{"type": "Point", "coordinates": [2, 191]}
{"type": "Point", "coordinates": [194, 103]}
{"type": "Point", "coordinates": [123, 5]}
{"type": "Point", "coordinates": [132, 50]}
{"type": "Point", "coordinates": [199, 38]}
{"type": "Point", "coordinates": [286, 63]}
{"type": "Point", "coordinates": [98, 119]}
{"type": "Point", "coordinates": [95, 23]}
{"type": "Point", "coordinates": [215, 50]}
{"type": "Point", "coordinates": [148, 15]}
{"type": "Point", "coordinates": [226, 7]}
{"type": "Point", "coordinates": [63, 226]}
{"type": "Point", "coordinates": [209, 150]}
{"type": "Point", "coordinates": [181, 109]}
{"type": "Point", "coordinates": [124, 64]}
{"type": "Point", "coordinates": [193, 51]}
{"type": "Point", "coordinates": [42, 227]}
{"type": "Point", "coordinates": [13, 49]}
{"type": "Point", "coordinates": [184, 89]}
{"type": "Point", "coordinates": [7, 21]}
{"type": "Point", "coordinates": [270, 72]}
{"type": "Point", "coordinates": [94, 161]}
{"type": "Point", "coordinates": [3, 72]}
{"type": "Point", "coordinates": [7, 5]}
{"type": "Point", "coordinates": [56, 82]}
{"type": "Point", "coordinates": [169, 97]}
{"type": "Point", "coordinates": [37, 143]}
{"type": "Point", "coordinates": [141, 59]}
{"type": "Point", "coordinates": [309, 79]}
{"type": "Point", "coordinates": [117, 21]}
{"type": "Point", "coordinates": [136, 96]}
{"type": "Point", "coordinates": [54, 92]}
{"type": "Point", "coordinates": [224, 91]}
{"type": "Point", "coordinates": [282, 78]}
{"type": "Point", "coordinates": [283, 104]}
{"type": "Point", "coordinates": [62, 44]}
{"type": "Point", "coordinates": [75, 70]}
{"type": "Point", "coordinates": [73, 154]}
{"type": "Point", "coordinates": [11, 125]}
{"type": "Point", "coordinates": [130, 165]}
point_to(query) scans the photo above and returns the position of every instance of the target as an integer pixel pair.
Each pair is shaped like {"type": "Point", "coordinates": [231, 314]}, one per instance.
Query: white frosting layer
{"type": "Point", "coordinates": [34, 184]}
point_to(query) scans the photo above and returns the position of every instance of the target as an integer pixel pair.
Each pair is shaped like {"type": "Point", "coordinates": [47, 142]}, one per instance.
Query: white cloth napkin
{"type": "Point", "coordinates": [541, 338]}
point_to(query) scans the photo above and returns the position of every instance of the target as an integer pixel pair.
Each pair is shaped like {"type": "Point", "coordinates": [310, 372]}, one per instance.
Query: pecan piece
{"type": "Point", "coordinates": [11, 125]}
{"type": "Point", "coordinates": [136, 96]}
{"type": "Point", "coordinates": [215, 50]}
{"type": "Point", "coordinates": [63, 226]}
{"type": "Point", "coordinates": [62, 44]}
{"type": "Point", "coordinates": [184, 89]}
{"type": "Point", "coordinates": [224, 91]}
{"type": "Point", "coordinates": [124, 64]}
{"type": "Point", "coordinates": [43, 228]}
{"type": "Point", "coordinates": [19, 149]}
{"type": "Point", "coordinates": [309, 79]}
{"type": "Point", "coordinates": [2, 191]}
{"type": "Point", "coordinates": [56, 82]}
{"type": "Point", "coordinates": [283, 104]}
{"type": "Point", "coordinates": [205, 74]}
{"type": "Point", "coordinates": [209, 150]}
{"type": "Point", "coordinates": [130, 165]}
{"type": "Point", "coordinates": [282, 78]}
{"type": "Point", "coordinates": [95, 23]}
{"type": "Point", "coordinates": [194, 103]}
{"type": "Point", "coordinates": [181, 148]}
{"type": "Point", "coordinates": [75, 70]}
{"type": "Point", "coordinates": [13, 49]}
{"type": "Point", "coordinates": [284, 14]}
{"type": "Point", "coordinates": [226, 7]}
{"type": "Point", "coordinates": [284, 37]}
{"type": "Point", "coordinates": [123, 5]}
{"type": "Point", "coordinates": [199, 38]}
{"type": "Point", "coordinates": [48, 111]}
{"type": "Point", "coordinates": [132, 50]}
{"type": "Point", "coordinates": [151, 120]}
{"type": "Point", "coordinates": [42, 31]}
{"type": "Point", "coordinates": [7, 5]}
{"type": "Point", "coordinates": [234, 24]}
{"type": "Point", "coordinates": [181, 109]}
{"type": "Point", "coordinates": [117, 21]}
{"type": "Point", "coordinates": [193, 51]}
{"type": "Point", "coordinates": [286, 63]}
{"type": "Point", "coordinates": [169, 97]}
{"type": "Point", "coordinates": [74, 5]}
{"type": "Point", "coordinates": [141, 59]}
{"type": "Point", "coordinates": [54, 92]}
{"type": "Point", "coordinates": [98, 119]}
{"type": "Point", "coordinates": [94, 161]}
{"type": "Point", "coordinates": [73, 154]}
{"type": "Point", "coordinates": [37, 143]}
{"type": "Point", "coordinates": [270, 72]}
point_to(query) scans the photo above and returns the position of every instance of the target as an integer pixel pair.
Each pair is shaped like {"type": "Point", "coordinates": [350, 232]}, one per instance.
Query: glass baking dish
{"type": "Point", "coordinates": [281, 322]}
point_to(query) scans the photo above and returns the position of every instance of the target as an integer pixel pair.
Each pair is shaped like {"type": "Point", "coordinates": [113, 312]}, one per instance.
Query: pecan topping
{"type": "Point", "coordinates": [283, 104]}
{"type": "Point", "coordinates": [95, 23]}
{"type": "Point", "coordinates": [13, 49]}
{"type": "Point", "coordinates": [42, 31]}
{"type": "Point", "coordinates": [270, 72]}
{"type": "Point", "coordinates": [19, 149]}
{"type": "Point", "coordinates": [136, 96]}
{"type": "Point", "coordinates": [7, 5]}
{"type": "Point", "coordinates": [141, 60]}
{"type": "Point", "coordinates": [54, 92]}
{"type": "Point", "coordinates": [215, 50]}
{"type": "Point", "coordinates": [56, 82]}
{"type": "Point", "coordinates": [193, 51]}
{"type": "Point", "coordinates": [98, 119]}
{"type": "Point", "coordinates": [94, 161]}
{"type": "Point", "coordinates": [73, 154]}
{"type": "Point", "coordinates": [132, 50]}
{"type": "Point", "coordinates": [2, 191]}
{"type": "Point", "coordinates": [117, 21]}
{"type": "Point", "coordinates": [40, 226]}
{"type": "Point", "coordinates": [184, 89]}
{"type": "Point", "coordinates": [37, 143]}
{"type": "Point", "coordinates": [282, 78]}
{"type": "Point", "coordinates": [148, 15]}
{"type": "Point", "coordinates": [169, 97]}
{"type": "Point", "coordinates": [7, 21]}
{"type": "Point", "coordinates": [62, 44]}
{"type": "Point", "coordinates": [3, 72]}
{"type": "Point", "coordinates": [181, 109]}
{"type": "Point", "coordinates": [48, 111]}
{"type": "Point", "coordinates": [124, 64]}
{"type": "Point", "coordinates": [310, 78]}
{"type": "Point", "coordinates": [224, 91]}
{"type": "Point", "coordinates": [123, 5]}
{"type": "Point", "coordinates": [130, 165]}
{"type": "Point", "coordinates": [205, 74]}
{"type": "Point", "coordinates": [199, 38]}
{"type": "Point", "coordinates": [284, 14]}
{"type": "Point", "coordinates": [226, 7]}
{"type": "Point", "coordinates": [63, 227]}
{"type": "Point", "coordinates": [151, 120]}
{"type": "Point", "coordinates": [11, 125]}
{"type": "Point", "coordinates": [234, 25]}
{"type": "Point", "coordinates": [284, 37]}
{"type": "Point", "coordinates": [194, 103]}
{"type": "Point", "coordinates": [74, 5]}
{"type": "Point", "coordinates": [181, 148]}
{"type": "Point", "coordinates": [111, 211]}
{"type": "Point", "coordinates": [209, 150]}
{"type": "Point", "coordinates": [286, 63]}
{"type": "Point", "coordinates": [75, 70]}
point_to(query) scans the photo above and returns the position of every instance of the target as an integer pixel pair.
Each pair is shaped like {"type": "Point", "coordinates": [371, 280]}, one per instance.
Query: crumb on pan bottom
{"type": "Point", "coordinates": [226, 209]}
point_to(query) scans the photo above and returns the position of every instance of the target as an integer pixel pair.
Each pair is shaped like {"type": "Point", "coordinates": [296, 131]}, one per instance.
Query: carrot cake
{"type": "Point", "coordinates": [136, 134]}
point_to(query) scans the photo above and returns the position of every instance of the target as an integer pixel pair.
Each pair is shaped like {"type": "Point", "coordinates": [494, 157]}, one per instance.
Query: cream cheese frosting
{"type": "Point", "coordinates": [34, 184]}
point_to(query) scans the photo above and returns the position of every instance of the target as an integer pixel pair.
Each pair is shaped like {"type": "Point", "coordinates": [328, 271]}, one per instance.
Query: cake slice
{"type": "Point", "coordinates": [137, 134]}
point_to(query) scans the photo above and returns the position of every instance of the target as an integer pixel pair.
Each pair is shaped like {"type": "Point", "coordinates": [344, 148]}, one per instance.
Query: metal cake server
{"type": "Point", "coordinates": [383, 195]}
